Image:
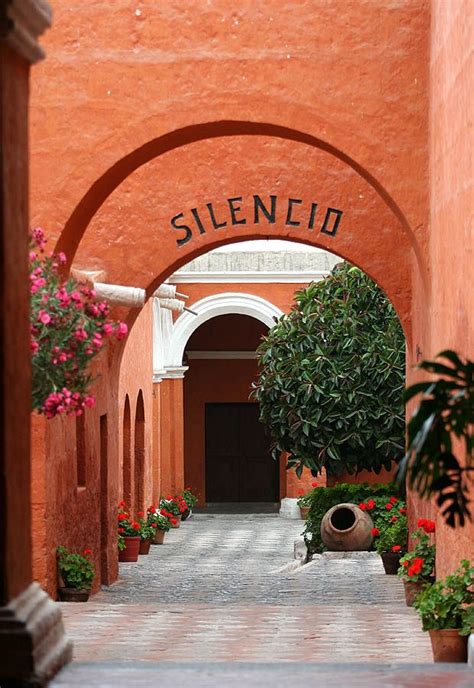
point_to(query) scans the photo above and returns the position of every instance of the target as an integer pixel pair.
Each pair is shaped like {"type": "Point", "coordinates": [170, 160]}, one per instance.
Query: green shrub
{"type": "Point", "coordinates": [394, 538]}
{"type": "Point", "coordinates": [323, 498]}
{"type": "Point", "coordinates": [331, 377]}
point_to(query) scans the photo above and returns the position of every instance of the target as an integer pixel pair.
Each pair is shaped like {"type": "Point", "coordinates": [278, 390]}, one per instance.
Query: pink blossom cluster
{"type": "Point", "coordinates": [68, 328]}
{"type": "Point", "coordinates": [65, 401]}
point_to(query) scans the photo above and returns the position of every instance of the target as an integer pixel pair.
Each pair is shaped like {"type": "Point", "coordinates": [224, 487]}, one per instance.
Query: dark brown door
{"type": "Point", "coordinates": [239, 465]}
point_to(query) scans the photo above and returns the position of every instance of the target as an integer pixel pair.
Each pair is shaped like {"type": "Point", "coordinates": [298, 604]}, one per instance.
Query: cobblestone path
{"type": "Point", "coordinates": [212, 596]}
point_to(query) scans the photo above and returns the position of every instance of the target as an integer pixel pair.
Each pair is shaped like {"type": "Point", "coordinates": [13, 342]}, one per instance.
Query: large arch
{"type": "Point", "coordinates": [213, 306]}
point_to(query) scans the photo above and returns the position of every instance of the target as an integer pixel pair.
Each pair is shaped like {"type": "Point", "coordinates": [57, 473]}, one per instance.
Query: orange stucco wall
{"type": "Point", "coordinates": [183, 105]}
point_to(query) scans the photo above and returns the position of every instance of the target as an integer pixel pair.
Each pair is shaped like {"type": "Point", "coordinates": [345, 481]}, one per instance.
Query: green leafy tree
{"type": "Point", "coordinates": [332, 375]}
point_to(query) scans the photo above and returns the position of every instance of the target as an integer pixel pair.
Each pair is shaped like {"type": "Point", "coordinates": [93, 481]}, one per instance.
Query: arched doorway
{"type": "Point", "coordinates": [227, 452]}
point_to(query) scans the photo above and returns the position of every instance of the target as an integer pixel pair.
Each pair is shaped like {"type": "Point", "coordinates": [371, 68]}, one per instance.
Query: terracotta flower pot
{"type": "Point", "coordinates": [412, 588]}
{"type": "Point", "coordinates": [178, 522]}
{"type": "Point", "coordinates": [304, 511]}
{"type": "Point", "coordinates": [144, 546]}
{"type": "Point", "coordinates": [346, 528]}
{"type": "Point", "coordinates": [73, 595]}
{"type": "Point", "coordinates": [132, 547]}
{"type": "Point", "coordinates": [186, 514]}
{"type": "Point", "coordinates": [448, 645]}
{"type": "Point", "coordinates": [391, 562]}
{"type": "Point", "coordinates": [159, 537]}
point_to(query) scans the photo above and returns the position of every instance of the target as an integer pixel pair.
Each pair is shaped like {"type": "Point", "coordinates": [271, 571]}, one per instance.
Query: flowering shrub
{"type": "Point", "coordinates": [127, 527]}
{"type": "Point", "coordinates": [68, 328]}
{"type": "Point", "coordinates": [174, 505]}
{"type": "Point", "coordinates": [449, 603]}
{"type": "Point", "coordinates": [189, 498]}
{"type": "Point", "coordinates": [394, 536]}
{"type": "Point", "coordinates": [370, 498]}
{"type": "Point", "coordinates": [158, 520]}
{"type": "Point", "coordinates": [418, 564]}
{"type": "Point", "coordinates": [77, 570]}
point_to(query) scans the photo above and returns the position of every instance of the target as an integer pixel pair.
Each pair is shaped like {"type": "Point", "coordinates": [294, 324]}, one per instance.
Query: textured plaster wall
{"type": "Point", "coordinates": [451, 210]}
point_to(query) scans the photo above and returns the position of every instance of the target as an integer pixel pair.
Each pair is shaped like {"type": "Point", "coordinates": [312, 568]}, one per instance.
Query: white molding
{"type": "Point", "coordinates": [174, 372]}
{"type": "Point", "coordinates": [211, 307]}
{"type": "Point", "coordinates": [21, 23]}
{"type": "Point", "coordinates": [247, 277]}
{"type": "Point", "coordinates": [216, 355]}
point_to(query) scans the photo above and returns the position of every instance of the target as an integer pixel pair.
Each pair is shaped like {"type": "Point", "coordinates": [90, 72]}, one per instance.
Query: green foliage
{"type": "Point", "coordinates": [190, 498]}
{"type": "Point", "coordinates": [321, 499]}
{"type": "Point", "coordinates": [395, 535]}
{"type": "Point", "coordinates": [449, 603]}
{"type": "Point", "coordinates": [332, 375]}
{"type": "Point", "coordinates": [76, 570]}
{"type": "Point", "coordinates": [445, 413]}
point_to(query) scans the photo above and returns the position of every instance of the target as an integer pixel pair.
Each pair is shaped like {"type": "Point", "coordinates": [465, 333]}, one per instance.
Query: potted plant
{"type": "Point", "coordinates": [416, 567]}
{"type": "Point", "coordinates": [391, 543]}
{"type": "Point", "coordinates": [446, 609]}
{"type": "Point", "coordinates": [76, 573]}
{"type": "Point", "coordinates": [147, 533]}
{"type": "Point", "coordinates": [129, 536]}
{"type": "Point", "coordinates": [159, 523]}
{"type": "Point", "coordinates": [175, 506]}
{"type": "Point", "coordinates": [191, 501]}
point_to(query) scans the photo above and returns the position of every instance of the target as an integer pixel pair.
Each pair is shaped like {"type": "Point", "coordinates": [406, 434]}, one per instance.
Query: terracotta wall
{"type": "Point", "coordinates": [451, 213]}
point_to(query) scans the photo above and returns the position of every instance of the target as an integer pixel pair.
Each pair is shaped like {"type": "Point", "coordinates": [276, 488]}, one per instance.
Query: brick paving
{"type": "Point", "coordinates": [210, 606]}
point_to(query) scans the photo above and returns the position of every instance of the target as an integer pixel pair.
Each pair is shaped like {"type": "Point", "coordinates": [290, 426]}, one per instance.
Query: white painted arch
{"type": "Point", "coordinates": [213, 306]}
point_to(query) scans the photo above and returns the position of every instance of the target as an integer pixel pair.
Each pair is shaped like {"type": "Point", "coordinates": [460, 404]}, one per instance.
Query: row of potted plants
{"type": "Point", "coordinates": [76, 571]}
{"type": "Point", "coordinates": [135, 536]}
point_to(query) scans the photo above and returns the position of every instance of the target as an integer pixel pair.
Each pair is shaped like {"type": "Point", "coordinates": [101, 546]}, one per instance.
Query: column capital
{"type": "Point", "coordinates": [174, 372]}
{"type": "Point", "coordinates": [21, 24]}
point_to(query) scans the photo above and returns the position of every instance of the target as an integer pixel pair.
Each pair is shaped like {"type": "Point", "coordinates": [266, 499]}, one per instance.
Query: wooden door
{"type": "Point", "coordinates": [239, 466]}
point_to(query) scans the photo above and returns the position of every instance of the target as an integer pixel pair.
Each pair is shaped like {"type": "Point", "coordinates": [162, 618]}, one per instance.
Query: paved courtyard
{"type": "Point", "coordinates": [212, 606]}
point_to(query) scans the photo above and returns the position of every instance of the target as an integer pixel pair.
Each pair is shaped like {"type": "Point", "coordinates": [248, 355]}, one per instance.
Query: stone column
{"type": "Point", "coordinates": [32, 641]}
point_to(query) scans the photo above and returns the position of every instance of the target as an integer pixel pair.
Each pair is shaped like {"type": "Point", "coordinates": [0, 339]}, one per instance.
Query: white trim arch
{"type": "Point", "coordinates": [211, 307]}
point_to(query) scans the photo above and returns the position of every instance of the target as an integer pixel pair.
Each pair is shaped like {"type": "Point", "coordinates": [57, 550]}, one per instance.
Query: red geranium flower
{"type": "Point", "coordinates": [122, 517]}
{"type": "Point", "coordinates": [394, 519]}
{"type": "Point", "coordinates": [393, 500]}
{"type": "Point", "coordinates": [370, 504]}
{"type": "Point", "coordinates": [363, 506]}
{"type": "Point", "coordinates": [121, 504]}
{"type": "Point", "coordinates": [396, 548]}
{"type": "Point", "coordinates": [429, 526]}
{"type": "Point", "coordinates": [406, 563]}
{"type": "Point", "coordinates": [121, 530]}
{"type": "Point", "coordinates": [402, 510]}
{"type": "Point", "coordinates": [140, 514]}
{"type": "Point", "coordinates": [416, 566]}
{"type": "Point", "coordinates": [375, 532]}
{"type": "Point", "coordinates": [301, 492]}
{"type": "Point", "coordinates": [173, 520]}
{"type": "Point", "coordinates": [135, 525]}
{"type": "Point", "coordinates": [389, 506]}
{"type": "Point", "coordinates": [87, 552]}
{"type": "Point", "coordinates": [314, 484]}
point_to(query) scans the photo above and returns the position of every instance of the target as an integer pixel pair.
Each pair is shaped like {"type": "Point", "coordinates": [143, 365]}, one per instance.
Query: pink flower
{"type": "Point", "coordinates": [34, 346]}
{"type": "Point", "coordinates": [75, 296]}
{"type": "Point", "coordinates": [122, 331]}
{"type": "Point", "coordinates": [44, 317]}
{"type": "Point", "coordinates": [62, 258]}
{"type": "Point", "coordinates": [32, 255]}
{"type": "Point", "coordinates": [80, 334]}
{"type": "Point", "coordinates": [107, 329]}
{"type": "Point", "coordinates": [89, 401]}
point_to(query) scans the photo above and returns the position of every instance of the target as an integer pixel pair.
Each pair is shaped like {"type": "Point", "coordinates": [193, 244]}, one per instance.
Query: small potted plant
{"type": "Point", "coordinates": [76, 573]}
{"type": "Point", "coordinates": [191, 501]}
{"type": "Point", "coordinates": [446, 609]}
{"type": "Point", "coordinates": [304, 501]}
{"type": "Point", "coordinates": [129, 536]}
{"type": "Point", "coordinates": [391, 544]}
{"type": "Point", "coordinates": [175, 506]}
{"type": "Point", "coordinates": [147, 533]}
{"type": "Point", "coordinates": [416, 567]}
{"type": "Point", "coordinates": [159, 522]}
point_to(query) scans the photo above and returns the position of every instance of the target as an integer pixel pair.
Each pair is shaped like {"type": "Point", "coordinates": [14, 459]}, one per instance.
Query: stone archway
{"type": "Point", "coordinates": [213, 306]}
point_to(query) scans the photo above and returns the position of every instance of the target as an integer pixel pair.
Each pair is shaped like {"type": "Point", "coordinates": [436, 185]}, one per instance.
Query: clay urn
{"type": "Point", "coordinates": [346, 528]}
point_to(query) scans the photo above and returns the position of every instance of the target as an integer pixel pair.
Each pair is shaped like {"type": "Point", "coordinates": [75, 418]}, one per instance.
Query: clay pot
{"type": "Point", "coordinates": [159, 537]}
{"type": "Point", "coordinates": [412, 588]}
{"type": "Point", "coordinates": [391, 562]}
{"type": "Point", "coordinates": [186, 514]}
{"type": "Point", "coordinates": [73, 595]}
{"type": "Point", "coordinates": [346, 528]}
{"type": "Point", "coordinates": [448, 646]}
{"type": "Point", "coordinates": [144, 546]}
{"type": "Point", "coordinates": [178, 522]}
{"type": "Point", "coordinates": [304, 511]}
{"type": "Point", "coordinates": [132, 547]}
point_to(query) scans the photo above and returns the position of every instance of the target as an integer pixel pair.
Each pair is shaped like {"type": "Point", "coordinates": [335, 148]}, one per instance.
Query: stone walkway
{"type": "Point", "coordinates": [209, 606]}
